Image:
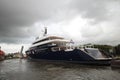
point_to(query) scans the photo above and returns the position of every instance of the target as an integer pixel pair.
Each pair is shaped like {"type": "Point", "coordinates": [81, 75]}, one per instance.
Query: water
{"type": "Point", "coordinates": [17, 69]}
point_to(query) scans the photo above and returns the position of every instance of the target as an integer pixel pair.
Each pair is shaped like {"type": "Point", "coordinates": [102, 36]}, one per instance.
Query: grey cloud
{"type": "Point", "coordinates": [18, 15]}
{"type": "Point", "coordinates": [103, 13]}
{"type": "Point", "coordinates": [24, 12]}
{"type": "Point", "coordinates": [94, 9]}
{"type": "Point", "coordinates": [91, 31]}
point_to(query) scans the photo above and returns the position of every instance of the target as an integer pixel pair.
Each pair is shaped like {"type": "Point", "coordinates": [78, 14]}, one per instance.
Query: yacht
{"type": "Point", "coordinates": [55, 48]}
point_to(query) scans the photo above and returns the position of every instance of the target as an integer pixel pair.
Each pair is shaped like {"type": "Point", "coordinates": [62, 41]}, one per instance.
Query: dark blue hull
{"type": "Point", "coordinates": [76, 56]}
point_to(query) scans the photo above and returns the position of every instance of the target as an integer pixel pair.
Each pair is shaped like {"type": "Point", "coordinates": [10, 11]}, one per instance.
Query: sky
{"type": "Point", "coordinates": [83, 21]}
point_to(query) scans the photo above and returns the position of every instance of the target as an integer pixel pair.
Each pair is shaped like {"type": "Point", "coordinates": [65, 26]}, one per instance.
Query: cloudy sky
{"type": "Point", "coordinates": [84, 21]}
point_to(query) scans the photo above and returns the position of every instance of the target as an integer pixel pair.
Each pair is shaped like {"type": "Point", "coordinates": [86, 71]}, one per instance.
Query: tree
{"type": "Point", "coordinates": [117, 49]}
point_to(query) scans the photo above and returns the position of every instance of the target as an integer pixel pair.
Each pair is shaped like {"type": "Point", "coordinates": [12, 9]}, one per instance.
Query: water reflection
{"type": "Point", "coordinates": [18, 69]}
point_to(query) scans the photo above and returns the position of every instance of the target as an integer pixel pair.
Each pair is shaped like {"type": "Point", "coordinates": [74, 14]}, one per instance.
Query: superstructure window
{"type": "Point", "coordinates": [44, 46]}
{"type": "Point", "coordinates": [41, 41]}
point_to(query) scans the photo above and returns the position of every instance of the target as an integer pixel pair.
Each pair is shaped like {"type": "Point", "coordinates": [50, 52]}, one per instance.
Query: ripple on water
{"type": "Point", "coordinates": [17, 69]}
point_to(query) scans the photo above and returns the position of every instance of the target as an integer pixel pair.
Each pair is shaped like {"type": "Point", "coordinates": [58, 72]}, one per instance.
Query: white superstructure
{"type": "Point", "coordinates": [53, 40]}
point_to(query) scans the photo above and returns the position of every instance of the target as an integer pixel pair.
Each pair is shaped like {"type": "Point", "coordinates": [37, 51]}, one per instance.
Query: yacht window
{"type": "Point", "coordinates": [41, 40]}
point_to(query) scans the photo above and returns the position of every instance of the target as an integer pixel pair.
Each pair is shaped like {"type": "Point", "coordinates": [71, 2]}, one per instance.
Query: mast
{"type": "Point", "coordinates": [45, 31]}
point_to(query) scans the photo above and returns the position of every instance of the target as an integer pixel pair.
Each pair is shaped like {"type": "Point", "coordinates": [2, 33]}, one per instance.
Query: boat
{"type": "Point", "coordinates": [55, 48]}
{"type": "Point", "coordinates": [115, 63]}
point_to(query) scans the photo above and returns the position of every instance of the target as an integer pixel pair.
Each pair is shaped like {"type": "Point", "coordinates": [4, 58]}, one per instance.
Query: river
{"type": "Point", "coordinates": [22, 69]}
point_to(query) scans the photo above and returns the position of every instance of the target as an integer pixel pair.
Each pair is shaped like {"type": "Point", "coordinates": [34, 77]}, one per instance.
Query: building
{"type": "Point", "coordinates": [2, 55]}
